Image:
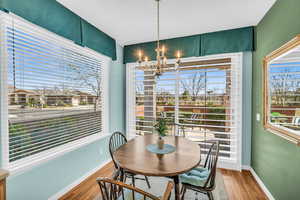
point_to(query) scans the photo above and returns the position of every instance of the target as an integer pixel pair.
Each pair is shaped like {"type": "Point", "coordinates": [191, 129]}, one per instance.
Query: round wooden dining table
{"type": "Point", "coordinates": [134, 157]}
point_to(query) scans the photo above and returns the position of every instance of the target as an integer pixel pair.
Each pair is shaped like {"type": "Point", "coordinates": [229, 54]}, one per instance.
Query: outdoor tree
{"type": "Point", "coordinates": [139, 88]}
{"type": "Point", "coordinates": [185, 95]}
{"type": "Point", "coordinates": [164, 96]}
{"type": "Point", "coordinates": [139, 93]}
{"type": "Point", "coordinates": [43, 99]}
{"type": "Point", "coordinates": [88, 79]}
{"type": "Point", "coordinates": [194, 84]}
{"type": "Point", "coordinates": [281, 85]}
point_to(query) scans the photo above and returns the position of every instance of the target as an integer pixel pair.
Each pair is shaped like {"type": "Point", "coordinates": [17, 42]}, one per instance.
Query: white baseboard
{"type": "Point", "coordinates": [78, 181]}
{"type": "Point", "coordinates": [246, 167]}
{"type": "Point", "coordinates": [225, 163]}
{"type": "Point", "coordinates": [261, 184]}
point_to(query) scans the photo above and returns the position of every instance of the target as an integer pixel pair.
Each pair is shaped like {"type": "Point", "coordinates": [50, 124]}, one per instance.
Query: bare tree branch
{"type": "Point", "coordinates": [89, 80]}
{"type": "Point", "coordinates": [194, 84]}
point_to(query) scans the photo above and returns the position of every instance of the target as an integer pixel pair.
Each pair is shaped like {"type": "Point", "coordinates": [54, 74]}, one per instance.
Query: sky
{"type": "Point", "coordinates": [40, 63]}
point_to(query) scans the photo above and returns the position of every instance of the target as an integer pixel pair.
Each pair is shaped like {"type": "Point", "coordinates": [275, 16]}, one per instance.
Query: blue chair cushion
{"type": "Point", "coordinates": [196, 176]}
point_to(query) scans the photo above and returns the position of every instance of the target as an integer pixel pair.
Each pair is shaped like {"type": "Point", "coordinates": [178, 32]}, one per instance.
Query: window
{"type": "Point", "coordinates": [203, 96]}
{"type": "Point", "coordinates": [282, 91]}
{"type": "Point", "coordinates": [52, 91]}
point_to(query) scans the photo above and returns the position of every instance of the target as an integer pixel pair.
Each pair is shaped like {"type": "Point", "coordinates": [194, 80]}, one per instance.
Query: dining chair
{"type": "Point", "coordinates": [116, 140]}
{"type": "Point", "coordinates": [113, 190]}
{"type": "Point", "coordinates": [202, 179]}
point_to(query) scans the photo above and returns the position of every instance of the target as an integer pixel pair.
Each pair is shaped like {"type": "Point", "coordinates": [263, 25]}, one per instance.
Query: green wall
{"type": "Point", "coordinates": [275, 160]}
{"type": "Point", "coordinates": [47, 179]}
{"type": "Point", "coordinates": [117, 89]}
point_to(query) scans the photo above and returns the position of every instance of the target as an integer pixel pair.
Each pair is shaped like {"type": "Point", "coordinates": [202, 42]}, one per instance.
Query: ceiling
{"type": "Point", "coordinates": [134, 21]}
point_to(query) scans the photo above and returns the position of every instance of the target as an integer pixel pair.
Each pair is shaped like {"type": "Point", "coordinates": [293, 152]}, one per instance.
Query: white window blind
{"type": "Point", "coordinates": [54, 89]}
{"type": "Point", "coordinates": [203, 96]}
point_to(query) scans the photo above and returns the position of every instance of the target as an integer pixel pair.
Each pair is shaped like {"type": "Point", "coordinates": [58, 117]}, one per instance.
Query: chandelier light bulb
{"type": "Point", "coordinates": [160, 65]}
{"type": "Point", "coordinates": [178, 55]}
{"type": "Point", "coordinates": [140, 54]}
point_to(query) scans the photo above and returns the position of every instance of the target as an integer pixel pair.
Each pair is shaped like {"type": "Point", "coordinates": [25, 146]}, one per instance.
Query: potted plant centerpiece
{"type": "Point", "coordinates": [161, 128]}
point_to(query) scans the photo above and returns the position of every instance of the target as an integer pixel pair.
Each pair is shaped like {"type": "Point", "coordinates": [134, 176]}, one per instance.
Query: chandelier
{"type": "Point", "coordinates": [160, 65]}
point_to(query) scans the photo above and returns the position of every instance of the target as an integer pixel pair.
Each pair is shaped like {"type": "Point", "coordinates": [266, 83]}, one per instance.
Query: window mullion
{"type": "Point", "coordinates": [177, 85]}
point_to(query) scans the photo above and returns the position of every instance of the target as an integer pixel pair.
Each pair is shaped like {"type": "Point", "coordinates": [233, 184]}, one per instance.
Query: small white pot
{"type": "Point", "coordinates": [160, 143]}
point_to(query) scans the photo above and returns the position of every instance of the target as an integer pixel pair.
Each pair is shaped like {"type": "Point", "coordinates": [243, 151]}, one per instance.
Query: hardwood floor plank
{"type": "Point", "coordinates": [242, 185]}
{"type": "Point", "coordinates": [257, 192]}
{"type": "Point", "coordinates": [232, 186]}
{"type": "Point", "coordinates": [239, 185]}
{"type": "Point", "coordinates": [88, 189]}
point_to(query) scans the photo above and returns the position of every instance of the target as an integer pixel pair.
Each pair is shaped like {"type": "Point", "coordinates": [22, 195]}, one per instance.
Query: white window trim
{"type": "Point", "coordinates": [29, 162]}
{"type": "Point", "coordinates": [130, 99]}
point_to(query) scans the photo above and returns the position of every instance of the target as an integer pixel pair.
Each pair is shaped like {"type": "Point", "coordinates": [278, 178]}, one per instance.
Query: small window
{"type": "Point", "coordinates": [282, 91]}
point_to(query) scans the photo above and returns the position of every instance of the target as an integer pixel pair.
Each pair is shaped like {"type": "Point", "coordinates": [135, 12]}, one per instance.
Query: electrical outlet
{"type": "Point", "coordinates": [258, 117]}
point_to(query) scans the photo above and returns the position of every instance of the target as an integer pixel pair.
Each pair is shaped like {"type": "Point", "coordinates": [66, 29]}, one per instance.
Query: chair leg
{"type": "Point", "coordinates": [210, 195]}
{"type": "Point", "coordinates": [182, 188]}
{"type": "Point", "coordinates": [147, 181]}
{"type": "Point", "coordinates": [133, 181]}
{"type": "Point", "coordinates": [122, 176]}
{"type": "Point", "coordinates": [183, 191]}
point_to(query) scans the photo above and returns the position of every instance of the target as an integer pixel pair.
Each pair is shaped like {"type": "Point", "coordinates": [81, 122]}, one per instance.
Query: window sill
{"type": "Point", "coordinates": [28, 163]}
{"type": "Point", "coordinates": [294, 140]}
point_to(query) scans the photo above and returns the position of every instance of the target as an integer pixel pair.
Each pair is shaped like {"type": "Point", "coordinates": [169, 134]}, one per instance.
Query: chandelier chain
{"type": "Point", "coordinates": [161, 58]}
{"type": "Point", "coordinates": [158, 25]}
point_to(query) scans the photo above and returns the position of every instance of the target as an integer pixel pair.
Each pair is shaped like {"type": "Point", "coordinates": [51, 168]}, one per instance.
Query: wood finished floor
{"type": "Point", "coordinates": [239, 185]}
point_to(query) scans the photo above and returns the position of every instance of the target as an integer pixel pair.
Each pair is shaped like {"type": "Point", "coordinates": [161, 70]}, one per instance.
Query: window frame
{"type": "Point", "coordinates": [237, 60]}
{"type": "Point", "coordinates": [29, 162]}
{"type": "Point", "coordinates": [284, 133]}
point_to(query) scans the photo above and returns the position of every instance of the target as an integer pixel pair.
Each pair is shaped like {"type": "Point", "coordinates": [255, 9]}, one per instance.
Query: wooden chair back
{"type": "Point", "coordinates": [211, 164]}
{"type": "Point", "coordinates": [117, 139]}
{"type": "Point", "coordinates": [112, 190]}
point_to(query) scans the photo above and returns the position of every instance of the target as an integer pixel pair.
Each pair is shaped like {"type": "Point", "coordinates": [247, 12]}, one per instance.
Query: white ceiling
{"type": "Point", "coordinates": [134, 21]}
